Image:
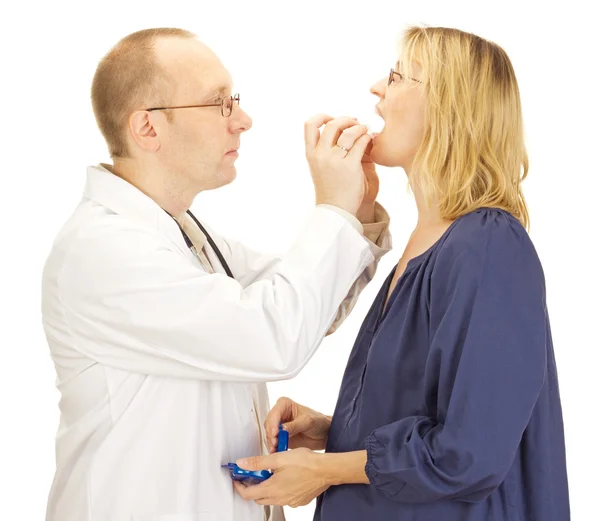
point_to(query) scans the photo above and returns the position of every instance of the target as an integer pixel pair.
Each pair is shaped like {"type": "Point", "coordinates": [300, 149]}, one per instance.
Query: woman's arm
{"type": "Point", "coordinates": [345, 468]}
{"type": "Point", "coordinates": [488, 331]}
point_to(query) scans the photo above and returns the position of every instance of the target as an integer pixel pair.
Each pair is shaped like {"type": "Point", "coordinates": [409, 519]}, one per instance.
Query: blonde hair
{"type": "Point", "coordinates": [126, 77]}
{"type": "Point", "coordinates": [473, 153]}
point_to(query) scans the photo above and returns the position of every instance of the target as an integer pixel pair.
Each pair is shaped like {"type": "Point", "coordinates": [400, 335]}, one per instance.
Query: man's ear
{"type": "Point", "coordinates": [144, 130]}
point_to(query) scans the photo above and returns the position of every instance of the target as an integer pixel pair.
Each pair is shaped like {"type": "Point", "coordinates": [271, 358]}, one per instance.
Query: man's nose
{"type": "Point", "coordinates": [240, 121]}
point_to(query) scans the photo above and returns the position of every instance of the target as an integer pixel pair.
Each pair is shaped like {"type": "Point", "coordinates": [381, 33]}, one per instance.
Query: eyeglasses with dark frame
{"type": "Point", "coordinates": [226, 105]}
{"type": "Point", "coordinates": [394, 73]}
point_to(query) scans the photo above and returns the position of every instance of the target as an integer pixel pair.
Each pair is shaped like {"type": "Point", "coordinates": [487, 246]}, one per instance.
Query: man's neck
{"type": "Point", "coordinates": [166, 190]}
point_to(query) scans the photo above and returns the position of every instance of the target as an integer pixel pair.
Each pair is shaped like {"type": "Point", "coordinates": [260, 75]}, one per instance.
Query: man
{"type": "Point", "coordinates": [163, 338]}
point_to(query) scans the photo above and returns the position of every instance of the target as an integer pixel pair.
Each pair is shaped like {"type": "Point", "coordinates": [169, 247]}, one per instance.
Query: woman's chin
{"type": "Point", "coordinates": [379, 156]}
{"type": "Point", "coordinates": [383, 156]}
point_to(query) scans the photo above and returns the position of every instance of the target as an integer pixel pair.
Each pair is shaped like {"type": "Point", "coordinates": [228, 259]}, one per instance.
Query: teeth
{"type": "Point", "coordinates": [374, 123]}
{"type": "Point", "coordinates": [371, 120]}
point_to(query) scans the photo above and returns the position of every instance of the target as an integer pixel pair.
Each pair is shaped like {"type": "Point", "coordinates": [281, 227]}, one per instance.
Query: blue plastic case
{"type": "Point", "coordinates": [254, 477]}
{"type": "Point", "coordinates": [282, 439]}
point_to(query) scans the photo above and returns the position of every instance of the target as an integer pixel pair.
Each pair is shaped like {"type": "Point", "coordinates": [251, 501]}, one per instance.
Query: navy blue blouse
{"type": "Point", "coordinates": [452, 389]}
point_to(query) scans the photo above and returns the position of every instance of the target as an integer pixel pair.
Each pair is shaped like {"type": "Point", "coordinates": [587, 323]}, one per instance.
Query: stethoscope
{"type": "Point", "coordinates": [191, 246]}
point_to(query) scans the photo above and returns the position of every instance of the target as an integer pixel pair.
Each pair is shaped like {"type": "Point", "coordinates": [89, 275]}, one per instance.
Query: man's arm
{"type": "Point", "coordinates": [128, 301]}
{"type": "Point", "coordinates": [250, 266]}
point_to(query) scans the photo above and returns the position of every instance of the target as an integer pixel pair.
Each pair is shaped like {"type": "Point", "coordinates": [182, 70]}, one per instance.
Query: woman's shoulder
{"type": "Point", "coordinates": [488, 234]}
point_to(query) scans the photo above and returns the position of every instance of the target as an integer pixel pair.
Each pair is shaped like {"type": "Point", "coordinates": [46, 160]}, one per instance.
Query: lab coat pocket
{"type": "Point", "coordinates": [200, 516]}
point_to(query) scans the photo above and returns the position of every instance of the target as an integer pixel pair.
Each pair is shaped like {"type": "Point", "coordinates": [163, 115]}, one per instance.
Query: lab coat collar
{"type": "Point", "coordinates": [123, 198]}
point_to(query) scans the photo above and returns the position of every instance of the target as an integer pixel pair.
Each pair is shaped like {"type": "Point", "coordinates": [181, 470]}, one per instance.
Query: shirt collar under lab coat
{"type": "Point", "coordinates": [123, 198]}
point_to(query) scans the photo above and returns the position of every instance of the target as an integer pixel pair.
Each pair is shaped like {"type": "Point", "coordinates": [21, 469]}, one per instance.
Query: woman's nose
{"type": "Point", "coordinates": [378, 89]}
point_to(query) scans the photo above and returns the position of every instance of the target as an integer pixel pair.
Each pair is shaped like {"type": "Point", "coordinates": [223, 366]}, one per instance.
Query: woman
{"type": "Point", "coordinates": [449, 409]}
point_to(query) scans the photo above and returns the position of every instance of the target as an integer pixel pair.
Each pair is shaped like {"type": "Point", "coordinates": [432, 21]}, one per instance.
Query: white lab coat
{"type": "Point", "coordinates": [162, 367]}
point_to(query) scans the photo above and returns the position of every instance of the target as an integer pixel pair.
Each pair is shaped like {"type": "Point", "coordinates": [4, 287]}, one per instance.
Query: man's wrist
{"type": "Point", "coordinates": [347, 205]}
{"type": "Point", "coordinates": [366, 213]}
{"type": "Point", "coordinates": [351, 218]}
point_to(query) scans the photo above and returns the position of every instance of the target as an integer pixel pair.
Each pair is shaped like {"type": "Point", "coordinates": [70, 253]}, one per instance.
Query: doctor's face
{"type": "Point", "coordinates": [200, 144]}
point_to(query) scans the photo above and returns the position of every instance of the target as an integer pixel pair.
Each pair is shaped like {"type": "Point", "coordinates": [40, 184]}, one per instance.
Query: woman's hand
{"type": "Point", "coordinates": [307, 428]}
{"type": "Point", "coordinates": [299, 477]}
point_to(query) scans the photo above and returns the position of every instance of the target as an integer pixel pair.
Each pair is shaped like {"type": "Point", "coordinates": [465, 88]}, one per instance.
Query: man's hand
{"type": "Point", "coordinates": [366, 211]}
{"type": "Point", "coordinates": [334, 157]}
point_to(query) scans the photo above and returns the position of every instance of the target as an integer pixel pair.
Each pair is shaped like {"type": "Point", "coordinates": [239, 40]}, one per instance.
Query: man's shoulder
{"type": "Point", "coordinates": [94, 234]}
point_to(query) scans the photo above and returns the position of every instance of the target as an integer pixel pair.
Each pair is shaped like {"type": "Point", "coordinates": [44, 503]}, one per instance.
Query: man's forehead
{"type": "Point", "coordinates": [215, 84]}
{"type": "Point", "coordinates": [207, 79]}
{"type": "Point", "coordinates": [194, 65]}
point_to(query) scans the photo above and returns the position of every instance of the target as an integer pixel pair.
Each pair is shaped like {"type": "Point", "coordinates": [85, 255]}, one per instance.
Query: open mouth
{"type": "Point", "coordinates": [375, 123]}
{"type": "Point", "coordinates": [379, 122]}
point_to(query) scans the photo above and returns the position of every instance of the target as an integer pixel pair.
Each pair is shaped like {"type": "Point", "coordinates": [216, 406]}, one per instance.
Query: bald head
{"type": "Point", "coordinates": [145, 67]}
{"type": "Point", "coordinates": [163, 101]}
{"type": "Point", "coordinates": [194, 71]}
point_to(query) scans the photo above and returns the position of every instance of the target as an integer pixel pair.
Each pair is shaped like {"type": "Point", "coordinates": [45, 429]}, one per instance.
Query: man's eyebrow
{"type": "Point", "coordinates": [222, 90]}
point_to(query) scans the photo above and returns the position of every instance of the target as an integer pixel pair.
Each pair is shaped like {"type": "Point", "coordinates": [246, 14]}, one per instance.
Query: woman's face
{"type": "Point", "coordinates": [402, 107]}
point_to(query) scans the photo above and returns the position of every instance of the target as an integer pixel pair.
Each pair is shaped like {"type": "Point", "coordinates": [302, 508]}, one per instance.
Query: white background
{"type": "Point", "coordinates": [289, 61]}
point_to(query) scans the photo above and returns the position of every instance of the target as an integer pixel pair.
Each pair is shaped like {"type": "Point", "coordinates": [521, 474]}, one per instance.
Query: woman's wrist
{"type": "Point", "coordinates": [325, 425]}
{"type": "Point", "coordinates": [344, 468]}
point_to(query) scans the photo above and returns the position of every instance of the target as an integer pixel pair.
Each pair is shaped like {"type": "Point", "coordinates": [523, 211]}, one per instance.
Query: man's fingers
{"type": "Point", "coordinates": [350, 135]}
{"type": "Point", "coordinates": [359, 148]}
{"type": "Point", "coordinates": [311, 129]}
{"type": "Point", "coordinates": [334, 129]}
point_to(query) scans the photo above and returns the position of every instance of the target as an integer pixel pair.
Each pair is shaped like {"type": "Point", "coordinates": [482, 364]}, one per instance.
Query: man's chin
{"type": "Point", "coordinates": [228, 175]}
{"type": "Point", "coordinates": [221, 178]}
